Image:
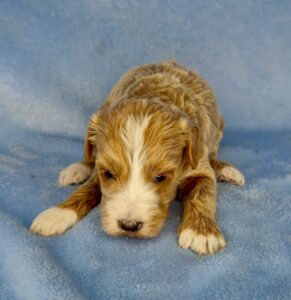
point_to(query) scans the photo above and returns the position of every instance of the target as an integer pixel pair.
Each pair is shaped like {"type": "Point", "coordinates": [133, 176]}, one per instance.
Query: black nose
{"type": "Point", "coordinates": [129, 225]}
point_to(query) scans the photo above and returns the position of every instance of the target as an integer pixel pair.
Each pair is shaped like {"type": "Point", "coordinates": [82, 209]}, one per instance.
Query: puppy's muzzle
{"type": "Point", "coordinates": [130, 225]}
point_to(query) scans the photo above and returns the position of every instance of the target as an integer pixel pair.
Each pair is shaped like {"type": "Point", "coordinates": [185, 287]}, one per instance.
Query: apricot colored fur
{"type": "Point", "coordinates": [180, 139]}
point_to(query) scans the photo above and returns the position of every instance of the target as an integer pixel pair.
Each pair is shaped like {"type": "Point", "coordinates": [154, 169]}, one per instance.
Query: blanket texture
{"type": "Point", "coordinates": [58, 60]}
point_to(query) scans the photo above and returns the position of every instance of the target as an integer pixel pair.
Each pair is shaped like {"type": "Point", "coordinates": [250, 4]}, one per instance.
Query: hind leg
{"type": "Point", "coordinates": [224, 171]}
{"type": "Point", "coordinates": [75, 173]}
{"type": "Point", "coordinates": [79, 172]}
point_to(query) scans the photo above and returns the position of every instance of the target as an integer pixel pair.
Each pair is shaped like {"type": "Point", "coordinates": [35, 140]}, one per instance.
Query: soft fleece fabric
{"type": "Point", "coordinates": [58, 60]}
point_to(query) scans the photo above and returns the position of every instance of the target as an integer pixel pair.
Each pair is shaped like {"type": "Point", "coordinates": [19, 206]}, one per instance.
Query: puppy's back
{"type": "Point", "coordinates": [176, 86]}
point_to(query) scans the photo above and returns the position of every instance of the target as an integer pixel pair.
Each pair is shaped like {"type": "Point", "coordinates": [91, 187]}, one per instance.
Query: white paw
{"type": "Point", "coordinates": [202, 244]}
{"type": "Point", "coordinates": [232, 175]}
{"type": "Point", "coordinates": [54, 221]}
{"type": "Point", "coordinates": [74, 174]}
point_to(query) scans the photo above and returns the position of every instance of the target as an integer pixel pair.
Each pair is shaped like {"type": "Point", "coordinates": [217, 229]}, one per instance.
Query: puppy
{"type": "Point", "coordinates": [155, 138]}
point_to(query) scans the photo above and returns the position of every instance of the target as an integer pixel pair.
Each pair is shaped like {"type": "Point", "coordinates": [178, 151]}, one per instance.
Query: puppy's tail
{"type": "Point", "coordinates": [226, 172]}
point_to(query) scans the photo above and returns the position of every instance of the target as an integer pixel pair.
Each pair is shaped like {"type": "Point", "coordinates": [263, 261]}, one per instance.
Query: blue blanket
{"type": "Point", "coordinates": [58, 60]}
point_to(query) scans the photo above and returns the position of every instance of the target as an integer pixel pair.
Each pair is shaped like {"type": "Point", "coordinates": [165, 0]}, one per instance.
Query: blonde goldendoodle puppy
{"type": "Point", "coordinates": [155, 138]}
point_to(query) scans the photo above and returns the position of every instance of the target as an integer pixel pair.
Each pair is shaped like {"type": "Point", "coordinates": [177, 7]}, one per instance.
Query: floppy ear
{"type": "Point", "coordinates": [195, 155]}
{"type": "Point", "coordinates": [194, 144]}
{"type": "Point", "coordinates": [90, 140]}
{"type": "Point", "coordinates": [190, 153]}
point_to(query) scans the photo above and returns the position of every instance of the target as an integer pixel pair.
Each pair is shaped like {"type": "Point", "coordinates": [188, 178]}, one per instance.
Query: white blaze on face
{"type": "Point", "coordinates": [137, 199]}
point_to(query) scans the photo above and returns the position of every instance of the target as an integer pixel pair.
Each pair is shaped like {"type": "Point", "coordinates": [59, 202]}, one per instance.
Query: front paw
{"type": "Point", "coordinates": [54, 221]}
{"type": "Point", "coordinates": [202, 241]}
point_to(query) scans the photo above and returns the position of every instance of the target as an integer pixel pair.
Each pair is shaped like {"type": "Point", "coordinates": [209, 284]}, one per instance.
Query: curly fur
{"type": "Point", "coordinates": [159, 119]}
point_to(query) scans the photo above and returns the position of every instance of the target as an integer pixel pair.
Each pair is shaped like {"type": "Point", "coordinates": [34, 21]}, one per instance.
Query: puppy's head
{"type": "Point", "coordinates": [141, 158]}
